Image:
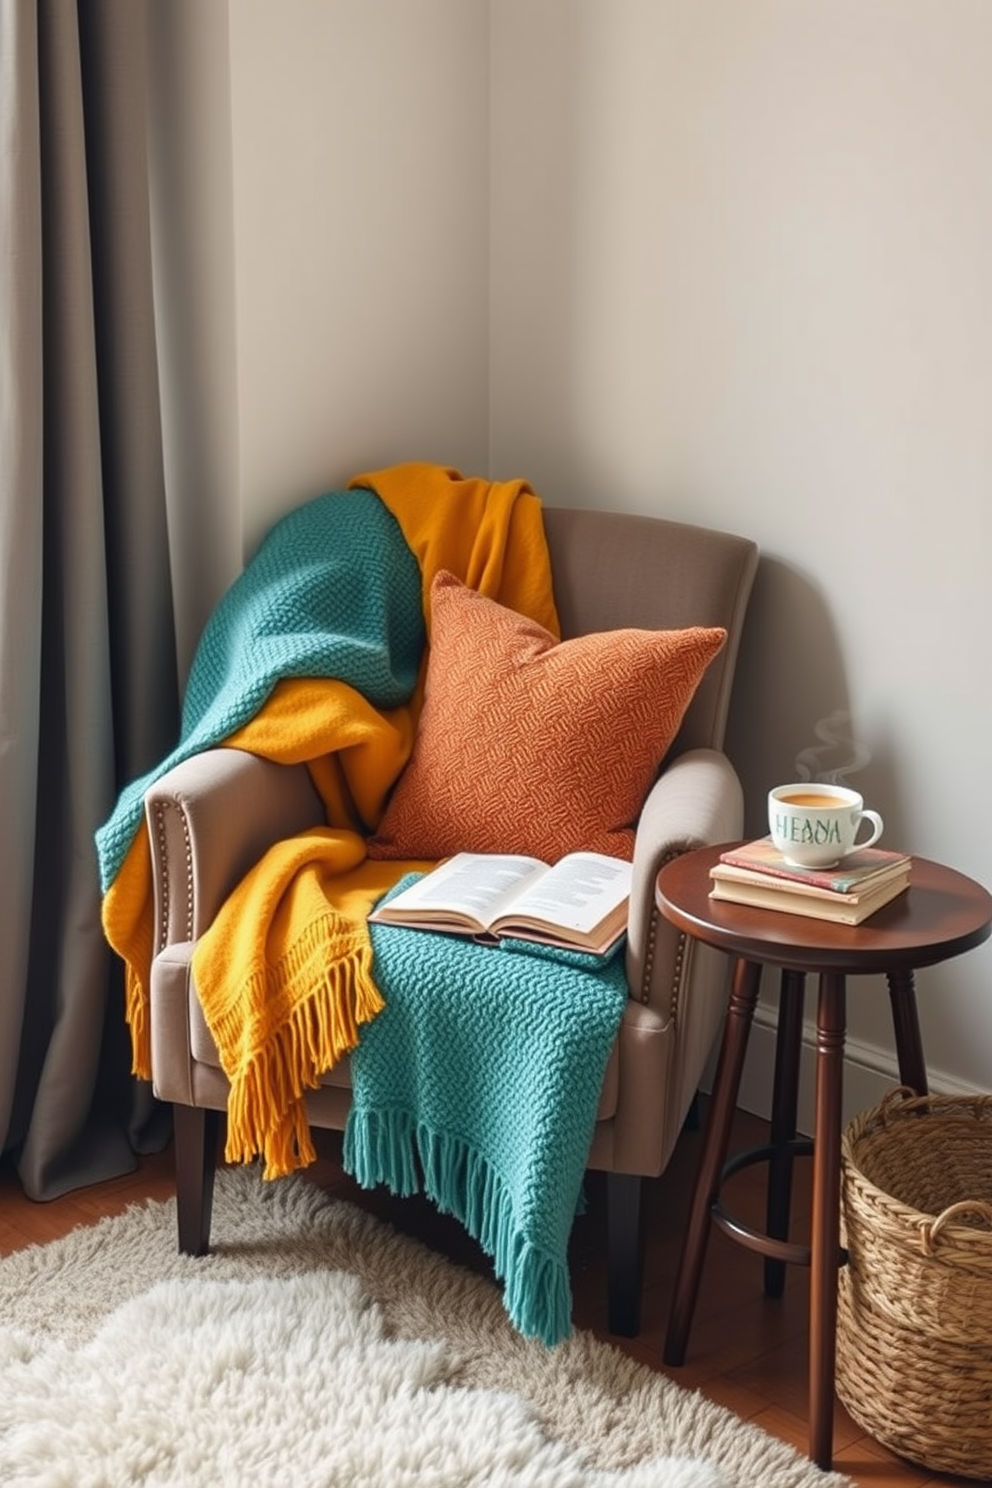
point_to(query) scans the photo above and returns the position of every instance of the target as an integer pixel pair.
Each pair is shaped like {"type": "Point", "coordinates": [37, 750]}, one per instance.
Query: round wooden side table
{"type": "Point", "coordinates": [942, 914]}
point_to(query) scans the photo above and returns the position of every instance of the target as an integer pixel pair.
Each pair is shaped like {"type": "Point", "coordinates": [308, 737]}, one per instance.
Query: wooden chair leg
{"type": "Point", "coordinates": [195, 1135]}
{"type": "Point", "coordinates": [625, 1245]}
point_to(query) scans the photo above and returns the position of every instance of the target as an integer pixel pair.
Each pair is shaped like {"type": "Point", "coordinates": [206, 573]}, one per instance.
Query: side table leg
{"type": "Point", "coordinates": [906, 1023]}
{"type": "Point", "coordinates": [825, 1235]}
{"type": "Point", "coordinates": [785, 1101]}
{"type": "Point", "coordinates": [737, 1026]}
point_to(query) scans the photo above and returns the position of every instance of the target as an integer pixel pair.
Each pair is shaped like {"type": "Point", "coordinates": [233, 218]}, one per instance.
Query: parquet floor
{"type": "Point", "coordinates": [745, 1352]}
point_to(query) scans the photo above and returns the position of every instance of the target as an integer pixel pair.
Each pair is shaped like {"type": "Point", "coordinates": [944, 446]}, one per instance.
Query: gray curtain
{"type": "Point", "coordinates": [88, 685]}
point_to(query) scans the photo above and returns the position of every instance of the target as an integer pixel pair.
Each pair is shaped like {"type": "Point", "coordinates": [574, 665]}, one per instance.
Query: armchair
{"type": "Point", "coordinates": [211, 818]}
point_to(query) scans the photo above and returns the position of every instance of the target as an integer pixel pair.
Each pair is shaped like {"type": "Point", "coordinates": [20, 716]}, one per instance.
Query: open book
{"type": "Point", "coordinates": [580, 903]}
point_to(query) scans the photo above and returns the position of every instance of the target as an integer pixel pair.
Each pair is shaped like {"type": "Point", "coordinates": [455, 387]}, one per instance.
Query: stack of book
{"type": "Point", "coordinates": [756, 873]}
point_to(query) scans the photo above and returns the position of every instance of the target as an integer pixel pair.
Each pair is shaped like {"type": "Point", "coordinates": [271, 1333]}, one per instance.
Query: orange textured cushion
{"type": "Point", "coordinates": [530, 745]}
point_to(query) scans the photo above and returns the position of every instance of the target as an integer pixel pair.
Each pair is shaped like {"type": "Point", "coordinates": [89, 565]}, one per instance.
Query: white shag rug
{"type": "Point", "coordinates": [316, 1347]}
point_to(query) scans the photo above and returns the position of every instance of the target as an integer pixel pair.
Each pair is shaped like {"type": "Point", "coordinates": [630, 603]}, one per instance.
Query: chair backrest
{"type": "Point", "coordinates": [615, 569]}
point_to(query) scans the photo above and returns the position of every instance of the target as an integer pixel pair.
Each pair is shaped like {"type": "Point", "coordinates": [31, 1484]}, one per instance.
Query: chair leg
{"type": "Point", "coordinates": [195, 1136]}
{"type": "Point", "coordinates": [625, 1244]}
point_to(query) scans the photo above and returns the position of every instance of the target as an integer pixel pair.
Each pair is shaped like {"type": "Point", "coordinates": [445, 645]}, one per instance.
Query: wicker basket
{"type": "Point", "coordinates": [914, 1325]}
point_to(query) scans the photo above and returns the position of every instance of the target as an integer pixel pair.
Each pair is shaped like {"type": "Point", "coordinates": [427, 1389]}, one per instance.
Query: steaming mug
{"type": "Point", "coordinates": [815, 826]}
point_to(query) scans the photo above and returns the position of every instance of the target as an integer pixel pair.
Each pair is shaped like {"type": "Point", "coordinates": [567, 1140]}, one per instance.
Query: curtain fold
{"type": "Point", "coordinates": [88, 684]}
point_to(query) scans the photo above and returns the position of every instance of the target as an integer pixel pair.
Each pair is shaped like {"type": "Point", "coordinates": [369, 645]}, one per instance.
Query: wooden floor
{"type": "Point", "coordinates": [745, 1351]}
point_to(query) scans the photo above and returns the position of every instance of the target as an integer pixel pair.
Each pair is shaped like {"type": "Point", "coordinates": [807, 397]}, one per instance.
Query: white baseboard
{"type": "Point", "coordinates": [868, 1073]}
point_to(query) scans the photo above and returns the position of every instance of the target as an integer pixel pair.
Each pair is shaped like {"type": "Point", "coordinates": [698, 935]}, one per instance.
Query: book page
{"type": "Point", "coordinates": [577, 892]}
{"type": "Point", "coordinates": [482, 885]}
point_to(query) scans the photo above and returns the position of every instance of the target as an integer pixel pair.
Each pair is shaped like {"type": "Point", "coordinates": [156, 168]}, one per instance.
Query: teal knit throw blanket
{"type": "Point", "coordinates": [333, 591]}
{"type": "Point", "coordinates": [480, 1081]}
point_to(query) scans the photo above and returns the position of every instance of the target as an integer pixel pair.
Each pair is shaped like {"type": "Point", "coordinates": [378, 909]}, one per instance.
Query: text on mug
{"type": "Point", "coordinates": [800, 829]}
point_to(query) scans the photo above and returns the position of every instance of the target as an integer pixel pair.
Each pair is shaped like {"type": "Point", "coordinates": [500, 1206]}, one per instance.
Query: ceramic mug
{"type": "Point", "coordinates": [815, 826]}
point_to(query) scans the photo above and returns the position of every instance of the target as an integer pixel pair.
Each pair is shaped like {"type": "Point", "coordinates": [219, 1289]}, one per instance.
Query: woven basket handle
{"type": "Point", "coordinates": [902, 1101]}
{"type": "Point", "coordinates": [895, 1103]}
{"type": "Point", "coordinates": [930, 1232]}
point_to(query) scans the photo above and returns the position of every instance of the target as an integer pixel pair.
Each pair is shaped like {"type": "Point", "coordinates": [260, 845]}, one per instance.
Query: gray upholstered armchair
{"type": "Point", "coordinates": [211, 818]}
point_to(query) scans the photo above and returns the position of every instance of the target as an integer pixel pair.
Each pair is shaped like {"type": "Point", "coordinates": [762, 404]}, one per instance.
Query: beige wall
{"type": "Point", "coordinates": [729, 260]}
{"type": "Point", "coordinates": [322, 221]}
{"type": "Point", "coordinates": [361, 222]}
{"type": "Point", "coordinates": [761, 298]}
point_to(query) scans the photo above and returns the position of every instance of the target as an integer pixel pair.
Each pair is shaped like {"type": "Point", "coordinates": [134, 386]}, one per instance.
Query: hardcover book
{"type": "Point", "coordinates": [756, 862]}
{"type": "Point", "coordinates": [849, 908]}
{"type": "Point", "coordinates": [818, 904]}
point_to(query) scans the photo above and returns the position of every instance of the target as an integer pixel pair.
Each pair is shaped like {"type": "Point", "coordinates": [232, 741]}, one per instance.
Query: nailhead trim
{"type": "Point", "coordinates": [649, 957]}
{"type": "Point", "coordinates": [680, 959]}
{"type": "Point", "coordinates": [166, 861]}
{"type": "Point", "coordinates": [680, 955]}
{"type": "Point", "coordinates": [163, 925]}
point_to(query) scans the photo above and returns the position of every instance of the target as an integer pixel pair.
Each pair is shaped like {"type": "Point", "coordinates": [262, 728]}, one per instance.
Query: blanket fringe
{"type": "Point", "coordinates": [266, 1113]}
{"type": "Point", "coordinates": [138, 1021]}
{"type": "Point", "coordinates": [390, 1147]}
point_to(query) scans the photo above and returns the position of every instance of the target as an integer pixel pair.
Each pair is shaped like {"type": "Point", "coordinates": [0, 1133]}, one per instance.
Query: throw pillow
{"type": "Point", "coordinates": [526, 744]}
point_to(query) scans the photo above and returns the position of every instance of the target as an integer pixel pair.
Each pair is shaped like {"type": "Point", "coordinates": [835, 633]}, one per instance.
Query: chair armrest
{"type": "Point", "coordinates": [696, 802]}
{"type": "Point", "coordinates": [212, 818]}
{"type": "Point", "coordinates": [678, 986]}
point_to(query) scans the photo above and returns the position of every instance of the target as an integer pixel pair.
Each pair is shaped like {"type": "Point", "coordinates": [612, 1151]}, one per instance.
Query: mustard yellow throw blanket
{"type": "Point", "coordinates": [316, 654]}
